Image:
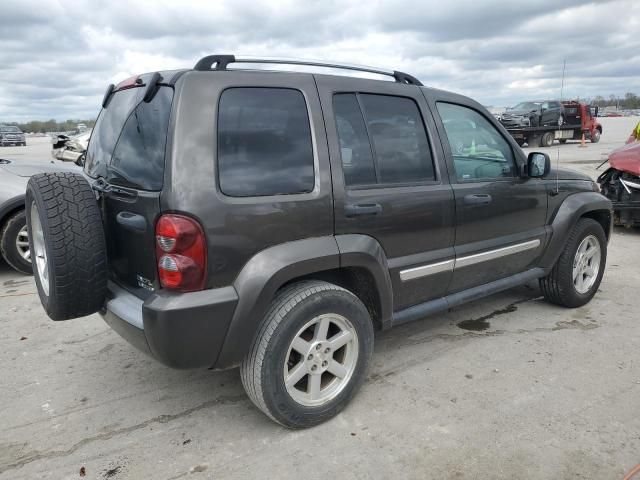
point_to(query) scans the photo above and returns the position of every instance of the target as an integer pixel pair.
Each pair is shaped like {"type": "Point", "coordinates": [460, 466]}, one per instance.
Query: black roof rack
{"type": "Point", "coordinates": [222, 61]}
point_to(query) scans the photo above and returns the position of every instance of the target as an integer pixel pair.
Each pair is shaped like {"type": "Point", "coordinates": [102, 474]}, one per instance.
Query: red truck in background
{"type": "Point", "coordinates": [577, 119]}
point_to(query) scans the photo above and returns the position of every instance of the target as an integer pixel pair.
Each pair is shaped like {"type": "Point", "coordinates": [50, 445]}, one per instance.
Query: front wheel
{"type": "Point", "coordinates": [577, 274]}
{"type": "Point", "coordinates": [310, 355]}
{"type": "Point", "coordinates": [595, 136]}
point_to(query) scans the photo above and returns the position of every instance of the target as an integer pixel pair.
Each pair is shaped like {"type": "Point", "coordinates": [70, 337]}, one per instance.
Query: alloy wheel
{"type": "Point", "coordinates": [586, 264]}
{"type": "Point", "coordinates": [321, 360]}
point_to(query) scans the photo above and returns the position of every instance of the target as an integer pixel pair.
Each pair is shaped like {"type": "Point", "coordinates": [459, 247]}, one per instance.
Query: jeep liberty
{"type": "Point", "coordinates": [273, 220]}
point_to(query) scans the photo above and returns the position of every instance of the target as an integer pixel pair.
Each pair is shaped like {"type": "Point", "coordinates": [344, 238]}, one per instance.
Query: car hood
{"type": "Point", "coordinates": [28, 169]}
{"type": "Point", "coordinates": [626, 158]}
{"type": "Point", "coordinates": [567, 174]}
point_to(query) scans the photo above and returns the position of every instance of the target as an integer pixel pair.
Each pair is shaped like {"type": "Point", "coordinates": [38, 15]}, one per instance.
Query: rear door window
{"type": "Point", "coordinates": [264, 142]}
{"type": "Point", "coordinates": [382, 140]}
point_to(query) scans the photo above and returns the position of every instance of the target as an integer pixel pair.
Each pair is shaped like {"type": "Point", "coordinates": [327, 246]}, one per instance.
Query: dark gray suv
{"type": "Point", "coordinates": [275, 219]}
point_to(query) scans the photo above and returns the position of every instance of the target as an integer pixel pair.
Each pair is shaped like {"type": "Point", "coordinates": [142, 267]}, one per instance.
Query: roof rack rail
{"type": "Point", "coordinates": [222, 61]}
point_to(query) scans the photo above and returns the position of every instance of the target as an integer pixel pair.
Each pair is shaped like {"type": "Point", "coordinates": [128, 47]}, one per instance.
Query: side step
{"type": "Point", "coordinates": [422, 310]}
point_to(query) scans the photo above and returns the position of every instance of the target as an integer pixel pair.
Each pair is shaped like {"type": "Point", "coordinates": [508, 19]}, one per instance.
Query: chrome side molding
{"type": "Point", "coordinates": [452, 264]}
{"type": "Point", "coordinates": [424, 270]}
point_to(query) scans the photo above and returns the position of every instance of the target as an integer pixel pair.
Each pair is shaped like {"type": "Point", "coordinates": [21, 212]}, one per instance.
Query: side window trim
{"type": "Point", "coordinates": [377, 186]}
{"type": "Point", "coordinates": [453, 176]}
{"type": "Point", "coordinates": [372, 145]}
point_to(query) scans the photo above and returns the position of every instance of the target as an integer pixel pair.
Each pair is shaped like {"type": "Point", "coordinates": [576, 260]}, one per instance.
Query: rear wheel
{"type": "Point", "coordinates": [547, 139]}
{"type": "Point", "coordinates": [576, 276]}
{"type": "Point", "coordinates": [14, 243]}
{"type": "Point", "coordinates": [310, 355]}
{"type": "Point", "coordinates": [67, 245]}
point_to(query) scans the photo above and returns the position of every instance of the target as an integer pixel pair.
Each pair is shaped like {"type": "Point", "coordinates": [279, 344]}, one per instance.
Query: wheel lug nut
{"type": "Point", "coordinates": [325, 363]}
{"type": "Point", "coordinates": [318, 346]}
{"type": "Point", "coordinates": [310, 357]}
{"type": "Point", "coordinates": [314, 368]}
{"type": "Point", "coordinates": [327, 350]}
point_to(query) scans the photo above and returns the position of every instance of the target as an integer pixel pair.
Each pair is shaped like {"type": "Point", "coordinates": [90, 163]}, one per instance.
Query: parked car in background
{"type": "Point", "coordinates": [534, 114]}
{"type": "Point", "coordinates": [71, 148]}
{"type": "Point", "coordinates": [14, 239]}
{"type": "Point", "coordinates": [11, 135]}
{"type": "Point", "coordinates": [273, 219]}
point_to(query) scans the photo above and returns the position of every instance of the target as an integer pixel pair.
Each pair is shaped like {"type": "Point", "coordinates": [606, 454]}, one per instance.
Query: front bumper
{"type": "Point", "coordinates": [180, 330]}
{"type": "Point", "coordinates": [12, 141]}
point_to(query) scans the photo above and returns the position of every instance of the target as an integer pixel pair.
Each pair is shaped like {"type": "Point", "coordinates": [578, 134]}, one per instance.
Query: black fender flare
{"type": "Point", "coordinates": [567, 215]}
{"type": "Point", "coordinates": [270, 269]}
{"type": "Point", "coordinates": [366, 252]}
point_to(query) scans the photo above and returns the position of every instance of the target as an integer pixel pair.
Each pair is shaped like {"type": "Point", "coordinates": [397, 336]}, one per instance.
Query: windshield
{"type": "Point", "coordinates": [10, 130]}
{"type": "Point", "coordinates": [527, 106]}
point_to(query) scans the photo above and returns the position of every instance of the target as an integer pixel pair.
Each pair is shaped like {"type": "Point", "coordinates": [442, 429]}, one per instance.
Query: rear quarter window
{"type": "Point", "coordinates": [264, 143]}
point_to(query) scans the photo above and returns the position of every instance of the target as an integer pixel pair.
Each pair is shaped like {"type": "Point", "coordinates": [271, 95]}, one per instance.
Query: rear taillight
{"type": "Point", "coordinates": [181, 252]}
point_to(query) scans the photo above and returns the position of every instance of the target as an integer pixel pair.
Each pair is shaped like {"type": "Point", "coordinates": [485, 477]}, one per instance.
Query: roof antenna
{"type": "Point", "coordinates": [564, 65]}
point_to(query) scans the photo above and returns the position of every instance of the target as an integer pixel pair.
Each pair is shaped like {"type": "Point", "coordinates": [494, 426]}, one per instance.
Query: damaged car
{"type": "Point", "coordinates": [71, 148]}
{"type": "Point", "coordinates": [620, 183]}
{"type": "Point", "coordinates": [534, 114]}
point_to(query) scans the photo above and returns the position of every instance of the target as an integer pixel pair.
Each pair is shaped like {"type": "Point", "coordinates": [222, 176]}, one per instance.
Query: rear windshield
{"type": "Point", "coordinates": [128, 143]}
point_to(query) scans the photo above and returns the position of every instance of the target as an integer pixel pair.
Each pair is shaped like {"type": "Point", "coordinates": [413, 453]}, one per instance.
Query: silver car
{"type": "Point", "coordinates": [11, 135]}
{"type": "Point", "coordinates": [14, 239]}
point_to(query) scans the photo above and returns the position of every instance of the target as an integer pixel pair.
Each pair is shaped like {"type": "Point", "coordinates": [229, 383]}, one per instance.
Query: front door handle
{"type": "Point", "coordinates": [362, 209]}
{"type": "Point", "coordinates": [477, 199]}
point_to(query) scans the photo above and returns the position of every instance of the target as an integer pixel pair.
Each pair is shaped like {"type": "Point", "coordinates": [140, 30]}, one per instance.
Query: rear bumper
{"type": "Point", "coordinates": [183, 330]}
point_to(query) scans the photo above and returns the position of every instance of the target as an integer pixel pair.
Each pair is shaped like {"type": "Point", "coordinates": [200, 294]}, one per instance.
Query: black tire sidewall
{"type": "Point", "coordinates": [44, 221]}
{"type": "Point", "coordinates": [544, 139]}
{"type": "Point", "coordinates": [278, 401]}
{"type": "Point", "coordinates": [8, 243]}
{"type": "Point", "coordinates": [584, 228]}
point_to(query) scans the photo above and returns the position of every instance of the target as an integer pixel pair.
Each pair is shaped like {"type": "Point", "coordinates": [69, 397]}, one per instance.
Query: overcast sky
{"type": "Point", "coordinates": [57, 57]}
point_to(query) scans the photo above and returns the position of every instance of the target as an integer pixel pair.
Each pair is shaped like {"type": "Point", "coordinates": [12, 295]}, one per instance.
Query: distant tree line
{"type": "Point", "coordinates": [629, 101]}
{"type": "Point", "coordinates": [39, 126]}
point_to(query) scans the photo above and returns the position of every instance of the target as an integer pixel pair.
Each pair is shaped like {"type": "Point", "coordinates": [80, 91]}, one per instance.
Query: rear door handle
{"type": "Point", "coordinates": [362, 209]}
{"type": "Point", "coordinates": [477, 199]}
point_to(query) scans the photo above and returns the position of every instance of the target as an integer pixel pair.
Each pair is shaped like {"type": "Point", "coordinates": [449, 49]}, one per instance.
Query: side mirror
{"type": "Point", "coordinates": [538, 164]}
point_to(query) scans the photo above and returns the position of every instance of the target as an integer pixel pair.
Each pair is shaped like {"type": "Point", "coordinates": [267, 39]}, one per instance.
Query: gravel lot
{"type": "Point", "coordinates": [542, 393]}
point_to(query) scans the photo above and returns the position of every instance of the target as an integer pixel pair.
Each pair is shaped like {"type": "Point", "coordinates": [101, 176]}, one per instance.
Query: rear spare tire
{"type": "Point", "coordinates": [67, 244]}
